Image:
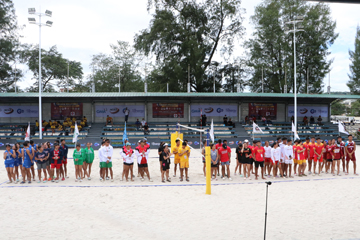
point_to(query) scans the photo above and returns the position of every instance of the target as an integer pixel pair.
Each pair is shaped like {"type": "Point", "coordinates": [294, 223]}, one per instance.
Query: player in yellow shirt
{"type": "Point", "coordinates": [66, 124]}
{"type": "Point", "coordinates": [82, 123]}
{"type": "Point", "coordinates": [175, 151]}
{"type": "Point", "coordinates": [68, 119]}
{"type": "Point", "coordinates": [187, 148]}
{"type": "Point", "coordinates": [72, 128]}
{"type": "Point", "coordinates": [74, 119]}
{"type": "Point", "coordinates": [79, 127]}
{"type": "Point", "coordinates": [60, 128]}
{"type": "Point", "coordinates": [183, 153]}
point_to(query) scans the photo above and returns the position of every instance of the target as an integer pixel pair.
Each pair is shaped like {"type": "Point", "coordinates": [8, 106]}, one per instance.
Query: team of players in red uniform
{"type": "Point", "coordinates": [283, 157]}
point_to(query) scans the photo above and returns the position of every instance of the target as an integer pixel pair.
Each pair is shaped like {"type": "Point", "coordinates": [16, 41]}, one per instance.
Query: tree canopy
{"type": "Point", "coordinates": [271, 50]}
{"type": "Point", "coordinates": [354, 76]}
{"type": "Point", "coordinates": [185, 35]}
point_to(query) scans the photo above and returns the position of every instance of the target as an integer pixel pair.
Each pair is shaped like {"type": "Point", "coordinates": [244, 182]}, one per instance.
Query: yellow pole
{"type": "Point", "coordinates": [208, 170]}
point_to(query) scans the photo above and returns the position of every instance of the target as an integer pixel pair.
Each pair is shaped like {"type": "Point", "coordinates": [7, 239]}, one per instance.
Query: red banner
{"type": "Point", "coordinates": [168, 110]}
{"type": "Point", "coordinates": [259, 110]}
{"type": "Point", "coordinates": [60, 111]}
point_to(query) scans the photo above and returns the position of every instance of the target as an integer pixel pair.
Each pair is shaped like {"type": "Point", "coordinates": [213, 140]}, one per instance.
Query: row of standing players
{"type": "Point", "coordinates": [278, 158]}
{"type": "Point", "coordinates": [319, 156]}
{"type": "Point", "coordinates": [49, 161]}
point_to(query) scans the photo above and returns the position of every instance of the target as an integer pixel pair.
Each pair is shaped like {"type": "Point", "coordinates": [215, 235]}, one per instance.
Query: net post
{"type": "Point", "coordinates": [208, 170]}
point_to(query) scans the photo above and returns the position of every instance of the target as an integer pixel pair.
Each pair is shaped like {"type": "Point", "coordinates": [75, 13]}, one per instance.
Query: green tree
{"type": "Point", "coordinates": [124, 63]}
{"type": "Point", "coordinates": [187, 34]}
{"type": "Point", "coordinates": [272, 49]}
{"type": "Point", "coordinates": [54, 69]}
{"type": "Point", "coordinates": [9, 46]}
{"type": "Point", "coordinates": [354, 76]}
{"type": "Point", "coordinates": [338, 108]}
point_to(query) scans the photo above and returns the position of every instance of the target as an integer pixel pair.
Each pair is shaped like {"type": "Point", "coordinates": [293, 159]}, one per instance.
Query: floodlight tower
{"type": "Point", "coordinates": [47, 24]}
{"type": "Point", "coordinates": [296, 28]}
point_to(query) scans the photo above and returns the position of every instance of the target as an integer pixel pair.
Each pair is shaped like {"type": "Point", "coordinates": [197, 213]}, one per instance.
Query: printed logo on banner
{"type": "Point", "coordinates": [219, 110]}
{"type": "Point", "coordinates": [20, 111]}
{"type": "Point", "coordinates": [1, 144]}
{"type": "Point", "coordinates": [196, 143]}
{"type": "Point", "coordinates": [190, 143]}
{"type": "Point", "coordinates": [312, 111]}
{"type": "Point", "coordinates": [96, 144]}
{"type": "Point", "coordinates": [155, 144]}
{"type": "Point", "coordinates": [8, 110]}
{"type": "Point", "coordinates": [114, 110]}
{"type": "Point", "coordinates": [303, 110]}
{"type": "Point", "coordinates": [101, 110]}
{"type": "Point", "coordinates": [208, 110]}
{"type": "Point", "coordinates": [271, 141]}
{"type": "Point", "coordinates": [230, 110]}
{"type": "Point", "coordinates": [231, 143]}
{"type": "Point", "coordinates": [83, 144]}
{"type": "Point", "coordinates": [237, 142]}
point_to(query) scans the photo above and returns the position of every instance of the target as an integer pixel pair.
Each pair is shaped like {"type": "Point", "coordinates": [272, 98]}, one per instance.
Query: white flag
{"type": "Point", "coordinates": [76, 133]}
{"type": "Point", "coordinates": [212, 131]}
{"type": "Point", "coordinates": [342, 129]}
{"type": "Point", "coordinates": [256, 129]}
{"type": "Point", "coordinates": [293, 129]}
{"type": "Point", "coordinates": [27, 135]}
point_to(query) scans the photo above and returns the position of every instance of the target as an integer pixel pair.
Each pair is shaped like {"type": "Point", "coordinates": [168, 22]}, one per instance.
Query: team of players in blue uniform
{"type": "Point", "coordinates": [48, 160]}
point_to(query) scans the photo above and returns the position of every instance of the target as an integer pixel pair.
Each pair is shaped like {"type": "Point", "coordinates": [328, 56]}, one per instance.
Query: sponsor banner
{"type": "Point", "coordinates": [267, 110]}
{"type": "Point", "coordinates": [168, 110]}
{"type": "Point", "coordinates": [309, 111]}
{"type": "Point", "coordinates": [60, 111]}
{"type": "Point", "coordinates": [119, 110]}
{"type": "Point", "coordinates": [19, 111]}
{"type": "Point", "coordinates": [213, 110]}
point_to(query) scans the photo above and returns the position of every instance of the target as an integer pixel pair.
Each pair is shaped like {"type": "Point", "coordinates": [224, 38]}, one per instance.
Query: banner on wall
{"type": "Point", "coordinates": [60, 111]}
{"type": "Point", "coordinates": [168, 110]}
{"type": "Point", "coordinates": [309, 111]}
{"type": "Point", "coordinates": [119, 110]}
{"type": "Point", "coordinates": [267, 110]}
{"type": "Point", "coordinates": [213, 110]}
{"type": "Point", "coordinates": [19, 111]}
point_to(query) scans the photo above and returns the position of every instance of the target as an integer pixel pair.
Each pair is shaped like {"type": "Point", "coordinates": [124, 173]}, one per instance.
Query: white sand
{"type": "Point", "coordinates": [302, 208]}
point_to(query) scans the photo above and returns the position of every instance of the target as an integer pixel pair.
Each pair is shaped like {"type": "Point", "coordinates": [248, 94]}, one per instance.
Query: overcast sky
{"type": "Point", "coordinates": [83, 28]}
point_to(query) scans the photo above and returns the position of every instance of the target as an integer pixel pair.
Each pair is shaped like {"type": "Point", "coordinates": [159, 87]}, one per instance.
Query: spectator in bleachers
{"type": "Point", "coordinates": [85, 121]}
{"type": "Point", "coordinates": [225, 119]}
{"type": "Point", "coordinates": [292, 118]}
{"type": "Point", "coordinates": [126, 112]}
{"type": "Point", "coordinates": [68, 119]}
{"type": "Point", "coordinates": [268, 120]}
{"type": "Point", "coordinates": [247, 120]}
{"type": "Point", "coordinates": [109, 120]}
{"type": "Point", "coordinates": [74, 119]}
{"type": "Point", "coordinates": [53, 127]}
{"type": "Point", "coordinates": [263, 119]}
{"type": "Point", "coordinates": [230, 123]}
{"type": "Point", "coordinates": [36, 125]}
{"type": "Point", "coordinates": [82, 123]}
{"type": "Point", "coordinates": [319, 120]}
{"type": "Point", "coordinates": [305, 121]}
{"type": "Point", "coordinates": [72, 128]}
{"type": "Point", "coordinates": [203, 120]}
{"type": "Point", "coordinates": [312, 120]}
{"type": "Point", "coordinates": [146, 129]}
{"type": "Point", "coordinates": [143, 122]}
{"type": "Point", "coordinates": [138, 124]}
{"type": "Point", "coordinates": [254, 119]}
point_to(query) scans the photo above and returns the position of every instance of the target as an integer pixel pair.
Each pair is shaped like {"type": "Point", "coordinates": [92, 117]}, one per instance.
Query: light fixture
{"type": "Point", "coordinates": [32, 20]}
{"type": "Point", "coordinates": [31, 10]}
{"type": "Point", "coordinates": [49, 23]}
{"type": "Point", "coordinates": [48, 13]}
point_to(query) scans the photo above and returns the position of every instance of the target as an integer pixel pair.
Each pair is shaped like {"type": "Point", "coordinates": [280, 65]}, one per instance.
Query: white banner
{"type": "Point", "coordinates": [213, 110]}
{"type": "Point", "coordinates": [19, 111]}
{"type": "Point", "coordinates": [309, 111]}
{"type": "Point", "coordinates": [119, 110]}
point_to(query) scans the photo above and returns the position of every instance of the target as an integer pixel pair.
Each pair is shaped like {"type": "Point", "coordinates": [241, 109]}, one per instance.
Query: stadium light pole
{"type": "Point", "coordinates": [47, 24]}
{"type": "Point", "coordinates": [296, 28]}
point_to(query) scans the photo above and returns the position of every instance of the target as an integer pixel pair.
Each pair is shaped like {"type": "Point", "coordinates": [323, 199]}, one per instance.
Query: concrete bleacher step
{"type": "Point", "coordinates": [95, 131]}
